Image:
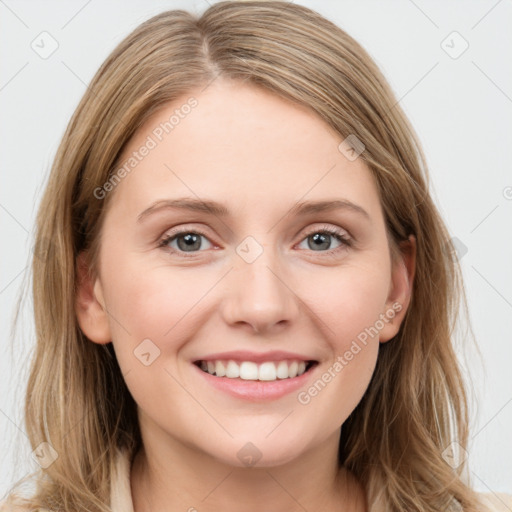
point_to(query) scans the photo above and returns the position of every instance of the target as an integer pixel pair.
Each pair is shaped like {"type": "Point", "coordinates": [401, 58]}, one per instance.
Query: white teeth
{"type": "Point", "coordinates": [248, 370]}
{"type": "Point", "coordinates": [282, 370]}
{"type": "Point", "coordinates": [267, 371]}
{"type": "Point", "coordinates": [232, 370]}
{"type": "Point", "coordinates": [220, 369]}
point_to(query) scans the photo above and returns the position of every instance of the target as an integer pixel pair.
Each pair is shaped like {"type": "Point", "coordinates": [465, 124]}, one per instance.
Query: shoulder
{"type": "Point", "coordinates": [497, 501]}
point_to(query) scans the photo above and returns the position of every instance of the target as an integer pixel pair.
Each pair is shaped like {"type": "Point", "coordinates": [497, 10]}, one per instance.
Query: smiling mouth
{"type": "Point", "coordinates": [248, 370]}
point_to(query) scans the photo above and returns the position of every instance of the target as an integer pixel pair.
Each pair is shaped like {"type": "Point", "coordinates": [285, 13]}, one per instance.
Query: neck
{"type": "Point", "coordinates": [171, 476]}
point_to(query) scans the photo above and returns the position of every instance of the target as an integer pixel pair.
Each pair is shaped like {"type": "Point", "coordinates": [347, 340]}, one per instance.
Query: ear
{"type": "Point", "coordinates": [89, 304]}
{"type": "Point", "coordinates": [400, 292]}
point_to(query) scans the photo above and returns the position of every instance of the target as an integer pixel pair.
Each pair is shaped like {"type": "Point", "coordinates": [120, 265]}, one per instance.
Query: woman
{"type": "Point", "coordinates": [246, 299]}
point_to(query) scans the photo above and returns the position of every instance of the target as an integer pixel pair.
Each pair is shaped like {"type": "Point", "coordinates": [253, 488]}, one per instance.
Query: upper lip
{"type": "Point", "coordinates": [257, 357]}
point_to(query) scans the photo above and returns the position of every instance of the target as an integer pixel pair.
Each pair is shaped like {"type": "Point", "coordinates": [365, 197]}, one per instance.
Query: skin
{"type": "Point", "coordinates": [259, 155]}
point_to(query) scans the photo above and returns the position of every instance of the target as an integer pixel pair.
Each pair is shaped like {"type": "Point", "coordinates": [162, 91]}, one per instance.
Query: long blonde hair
{"type": "Point", "coordinates": [416, 405]}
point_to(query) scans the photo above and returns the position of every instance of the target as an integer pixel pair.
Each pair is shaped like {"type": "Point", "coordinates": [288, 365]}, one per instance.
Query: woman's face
{"type": "Point", "coordinates": [241, 269]}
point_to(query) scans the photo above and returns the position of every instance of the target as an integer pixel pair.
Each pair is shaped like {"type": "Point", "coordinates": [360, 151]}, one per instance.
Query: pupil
{"type": "Point", "coordinates": [191, 242]}
{"type": "Point", "coordinates": [322, 239]}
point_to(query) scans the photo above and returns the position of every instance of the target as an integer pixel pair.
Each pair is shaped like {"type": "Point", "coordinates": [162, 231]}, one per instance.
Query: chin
{"type": "Point", "coordinates": [259, 453]}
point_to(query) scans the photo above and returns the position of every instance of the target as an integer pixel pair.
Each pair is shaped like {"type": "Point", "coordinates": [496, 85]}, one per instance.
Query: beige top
{"type": "Point", "coordinates": [121, 499]}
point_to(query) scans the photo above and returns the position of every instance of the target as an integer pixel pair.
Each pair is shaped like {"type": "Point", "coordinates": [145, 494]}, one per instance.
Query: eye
{"type": "Point", "coordinates": [186, 241]}
{"type": "Point", "coordinates": [321, 238]}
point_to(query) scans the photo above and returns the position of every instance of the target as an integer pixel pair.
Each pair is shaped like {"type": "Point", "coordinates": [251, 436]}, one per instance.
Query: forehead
{"type": "Point", "coordinates": [243, 145]}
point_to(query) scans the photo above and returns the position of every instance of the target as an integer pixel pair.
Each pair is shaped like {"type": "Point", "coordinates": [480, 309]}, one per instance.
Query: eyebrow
{"type": "Point", "coordinates": [218, 209]}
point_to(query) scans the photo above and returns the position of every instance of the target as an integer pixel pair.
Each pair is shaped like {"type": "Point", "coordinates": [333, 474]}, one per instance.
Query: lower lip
{"type": "Point", "coordinates": [257, 390]}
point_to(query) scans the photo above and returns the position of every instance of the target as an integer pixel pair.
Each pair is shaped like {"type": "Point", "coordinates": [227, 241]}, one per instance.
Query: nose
{"type": "Point", "coordinates": [258, 297]}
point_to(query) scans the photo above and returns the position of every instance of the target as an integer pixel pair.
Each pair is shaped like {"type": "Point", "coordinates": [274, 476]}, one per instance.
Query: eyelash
{"type": "Point", "coordinates": [338, 234]}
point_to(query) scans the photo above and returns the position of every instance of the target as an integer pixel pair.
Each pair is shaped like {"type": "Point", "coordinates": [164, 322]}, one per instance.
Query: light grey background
{"type": "Point", "coordinates": [461, 108]}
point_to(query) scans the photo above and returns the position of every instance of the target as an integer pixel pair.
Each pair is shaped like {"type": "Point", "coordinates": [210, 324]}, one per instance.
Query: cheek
{"type": "Point", "coordinates": [348, 301]}
{"type": "Point", "coordinates": [154, 312]}
{"type": "Point", "coordinates": [348, 304]}
{"type": "Point", "coordinates": [151, 301]}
